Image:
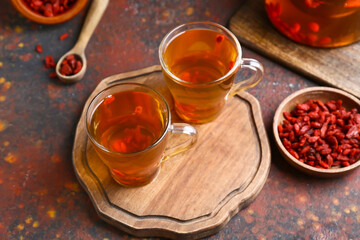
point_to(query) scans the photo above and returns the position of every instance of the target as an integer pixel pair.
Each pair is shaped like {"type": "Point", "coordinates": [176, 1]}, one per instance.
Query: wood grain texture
{"type": "Point", "coordinates": [338, 67]}
{"type": "Point", "coordinates": [197, 192]}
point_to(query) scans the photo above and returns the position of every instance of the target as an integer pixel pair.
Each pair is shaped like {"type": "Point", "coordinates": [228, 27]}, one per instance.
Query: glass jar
{"type": "Point", "coordinates": [317, 23]}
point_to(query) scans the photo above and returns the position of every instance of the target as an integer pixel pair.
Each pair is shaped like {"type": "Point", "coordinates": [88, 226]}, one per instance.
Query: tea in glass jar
{"type": "Point", "coordinates": [317, 23]}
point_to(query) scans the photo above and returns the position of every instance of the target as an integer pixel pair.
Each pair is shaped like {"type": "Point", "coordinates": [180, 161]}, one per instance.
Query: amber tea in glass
{"type": "Point", "coordinates": [318, 23]}
{"type": "Point", "coordinates": [127, 125]}
{"type": "Point", "coordinates": [199, 62]}
{"type": "Point", "coordinates": [120, 123]}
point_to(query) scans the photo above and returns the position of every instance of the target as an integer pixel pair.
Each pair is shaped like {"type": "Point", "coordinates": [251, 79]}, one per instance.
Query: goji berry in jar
{"type": "Point", "coordinates": [318, 23]}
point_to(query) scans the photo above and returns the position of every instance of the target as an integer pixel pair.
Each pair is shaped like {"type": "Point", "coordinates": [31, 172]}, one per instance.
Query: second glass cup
{"type": "Point", "coordinates": [199, 62]}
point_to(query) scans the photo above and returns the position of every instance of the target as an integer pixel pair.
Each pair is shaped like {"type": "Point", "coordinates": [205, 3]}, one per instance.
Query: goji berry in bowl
{"type": "Point", "coordinates": [49, 11]}
{"type": "Point", "coordinates": [317, 130]}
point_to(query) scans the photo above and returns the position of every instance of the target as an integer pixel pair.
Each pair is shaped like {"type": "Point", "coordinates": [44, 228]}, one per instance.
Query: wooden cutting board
{"type": "Point", "coordinates": [338, 67]}
{"type": "Point", "coordinates": [197, 192]}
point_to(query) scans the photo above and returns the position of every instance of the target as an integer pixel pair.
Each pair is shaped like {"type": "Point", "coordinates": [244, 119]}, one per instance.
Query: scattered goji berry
{"type": "Point", "coordinates": [38, 48]}
{"type": "Point", "coordinates": [49, 62]}
{"type": "Point", "coordinates": [64, 36]}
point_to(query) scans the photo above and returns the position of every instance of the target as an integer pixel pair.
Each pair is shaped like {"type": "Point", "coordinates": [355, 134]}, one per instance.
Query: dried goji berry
{"type": "Point", "coordinates": [342, 158]}
{"type": "Point", "coordinates": [345, 164]}
{"type": "Point", "coordinates": [304, 129]}
{"type": "Point", "coordinates": [305, 149]}
{"type": "Point", "coordinates": [295, 145]}
{"type": "Point", "coordinates": [284, 135]}
{"type": "Point", "coordinates": [66, 69]}
{"type": "Point", "coordinates": [336, 163]}
{"type": "Point", "coordinates": [77, 67]}
{"type": "Point", "coordinates": [323, 164]}
{"type": "Point", "coordinates": [70, 65]}
{"type": "Point", "coordinates": [315, 124]}
{"type": "Point", "coordinates": [330, 160]}
{"type": "Point", "coordinates": [322, 105]}
{"type": "Point", "coordinates": [280, 128]}
{"type": "Point", "coordinates": [295, 154]}
{"type": "Point", "coordinates": [303, 106]}
{"type": "Point", "coordinates": [313, 139]}
{"type": "Point", "coordinates": [49, 62]}
{"type": "Point", "coordinates": [322, 134]}
{"type": "Point", "coordinates": [331, 105]}
{"type": "Point", "coordinates": [49, 8]}
{"type": "Point", "coordinates": [357, 118]}
{"type": "Point", "coordinates": [346, 151]}
{"type": "Point", "coordinates": [311, 163]}
{"type": "Point", "coordinates": [325, 151]}
{"type": "Point", "coordinates": [63, 36]}
{"type": "Point", "coordinates": [353, 131]}
{"type": "Point", "coordinates": [302, 141]}
{"type": "Point", "coordinates": [287, 116]}
{"type": "Point", "coordinates": [39, 48]}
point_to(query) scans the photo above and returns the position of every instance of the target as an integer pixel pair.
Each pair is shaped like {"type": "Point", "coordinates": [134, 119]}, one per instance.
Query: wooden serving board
{"type": "Point", "coordinates": [197, 192]}
{"type": "Point", "coordinates": [338, 67]}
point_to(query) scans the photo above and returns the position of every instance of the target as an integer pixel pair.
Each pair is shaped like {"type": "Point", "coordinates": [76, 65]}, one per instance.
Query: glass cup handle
{"type": "Point", "coordinates": [254, 65]}
{"type": "Point", "coordinates": [181, 128]}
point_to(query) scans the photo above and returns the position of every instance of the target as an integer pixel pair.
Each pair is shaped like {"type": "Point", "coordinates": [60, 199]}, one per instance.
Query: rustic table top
{"type": "Point", "coordinates": [40, 197]}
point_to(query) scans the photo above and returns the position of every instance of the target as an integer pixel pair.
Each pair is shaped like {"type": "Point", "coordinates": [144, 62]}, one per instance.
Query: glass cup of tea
{"type": "Point", "coordinates": [128, 125]}
{"type": "Point", "coordinates": [199, 62]}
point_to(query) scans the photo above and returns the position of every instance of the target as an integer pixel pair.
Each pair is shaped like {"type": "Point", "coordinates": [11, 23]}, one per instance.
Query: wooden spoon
{"type": "Point", "coordinates": [93, 17]}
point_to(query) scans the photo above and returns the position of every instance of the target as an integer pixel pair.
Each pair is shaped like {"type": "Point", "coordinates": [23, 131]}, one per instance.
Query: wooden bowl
{"type": "Point", "coordinates": [316, 93]}
{"type": "Point", "coordinates": [26, 11]}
